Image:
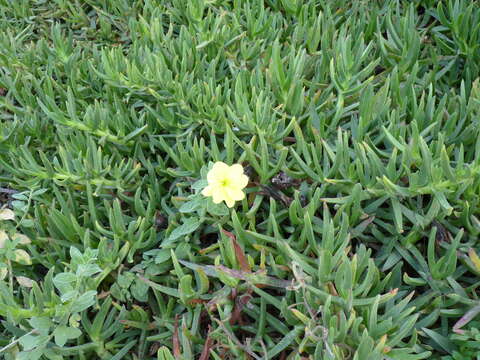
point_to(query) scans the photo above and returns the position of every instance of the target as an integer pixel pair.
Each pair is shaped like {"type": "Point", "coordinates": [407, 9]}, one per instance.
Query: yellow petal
{"type": "Point", "coordinates": [230, 202]}
{"type": "Point", "coordinates": [218, 172]}
{"type": "Point", "coordinates": [240, 182]}
{"type": "Point", "coordinates": [236, 194]}
{"type": "Point", "coordinates": [218, 195]}
{"type": "Point", "coordinates": [236, 170]}
{"type": "Point", "coordinates": [207, 191]}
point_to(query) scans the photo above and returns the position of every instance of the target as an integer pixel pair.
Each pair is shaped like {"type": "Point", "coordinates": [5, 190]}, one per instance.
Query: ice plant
{"type": "Point", "coordinates": [226, 183]}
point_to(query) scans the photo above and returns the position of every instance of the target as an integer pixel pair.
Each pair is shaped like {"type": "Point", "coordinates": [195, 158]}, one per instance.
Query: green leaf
{"type": "Point", "coordinates": [139, 290]}
{"type": "Point", "coordinates": [87, 270]}
{"type": "Point", "coordinates": [217, 209]}
{"type": "Point", "coordinates": [84, 301]}
{"type": "Point", "coordinates": [125, 280]}
{"type": "Point", "coordinates": [199, 184]}
{"type": "Point", "coordinates": [63, 281]}
{"type": "Point", "coordinates": [69, 295]}
{"type": "Point", "coordinates": [28, 223]}
{"type": "Point", "coordinates": [124, 351]}
{"type": "Point", "coordinates": [76, 255]}
{"type": "Point", "coordinates": [64, 333]}
{"type": "Point", "coordinates": [164, 354]}
{"type": "Point", "coordinates": [162, 256]}
{"type": "Point", "coordinates": [51, 354]}
{"type": "Point", "coordinates": [164, 289]}
{"type": "Point", "coordinates": [135, 133]}
{"type": "Point", "coordinates": [406, 354]}
{"type": "Point", "coordinates": [441, 340]}
{"type": "Point", "coordinates": [285, 342]}
{"type": "Point", "coordinates": [29, 355]}
{"type": "Point", "coordinates": [189, 225]}
{"type": "Point", "coordinates": [41, 324]}
{"type": "Point", "coordinates": [30, 342]}
{"type": "Point", "coordinates": [191, 206]}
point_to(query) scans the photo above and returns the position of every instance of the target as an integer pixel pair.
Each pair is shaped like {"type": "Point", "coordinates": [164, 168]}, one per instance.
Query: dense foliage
{"type": "Point", "coordinates": [358, 123]}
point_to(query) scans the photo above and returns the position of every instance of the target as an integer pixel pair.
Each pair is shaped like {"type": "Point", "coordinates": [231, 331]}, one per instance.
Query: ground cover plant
{"type": "Point", "coordinates": [357, 123]}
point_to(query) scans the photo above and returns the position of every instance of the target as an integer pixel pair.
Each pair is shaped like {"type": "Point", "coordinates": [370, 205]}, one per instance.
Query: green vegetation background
{"type": "Point", "coordinates": [357, 122]}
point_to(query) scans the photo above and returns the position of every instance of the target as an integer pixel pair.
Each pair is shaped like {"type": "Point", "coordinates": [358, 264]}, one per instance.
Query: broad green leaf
{"type": "Point", "coordinates": [162, 256]}
{"type": "Point", "coordinates": [191, 206]}
{"type": "Point", "coordinates": [189, 225]}
{"type": "Point", "coordinates": [64, 333]}
{"type": "Point", "coordinates": [199, 184]}
{"type": "Point", "coordinates": [30, 355]}
{"type": "Point", "coordinates": [217, 209]}
{"type": "Point", "coordinates": [41, 324]}
{"type": "Point", "coordinates": [84, 301]}
{"type": "Point", "coordinates": [139, 290]}
{"type": "Point", "coordinates": [30, 342]}
{"type": "Point", "coordinates": [64, 281]}
{"type": "Point", "coordinates": [87, 270]}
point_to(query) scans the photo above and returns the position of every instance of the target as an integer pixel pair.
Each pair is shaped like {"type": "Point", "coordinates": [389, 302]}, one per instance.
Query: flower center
{"type": "Point", "coordinates": [225, 182]}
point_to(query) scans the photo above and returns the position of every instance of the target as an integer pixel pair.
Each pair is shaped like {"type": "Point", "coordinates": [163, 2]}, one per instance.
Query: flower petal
{"type": "Point", "coordinates": [218, 172]}
{"type": "Point", "coordinates": [236, 170]}
{"type": "Point", "coordinates": [207, 191]}
{"type": "Point", "coordinates": [240, 182]}
{"type": "Point", "coordinates": [218, 195]}
{"type": "Point", "coordinates": [235, 194]}
{"type": "Point", "coordinates": [230, 202]}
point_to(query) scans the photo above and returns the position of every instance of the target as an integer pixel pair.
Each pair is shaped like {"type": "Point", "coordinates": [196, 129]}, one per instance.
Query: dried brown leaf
{"type": "Point", "coordinates": [177, 353]}
{"type": "Point", "coordinates": [205, 355]}
{"type": "Point", "coordinates": [276, 194]}
{"type": "Point", "coordinates": [242, 259]}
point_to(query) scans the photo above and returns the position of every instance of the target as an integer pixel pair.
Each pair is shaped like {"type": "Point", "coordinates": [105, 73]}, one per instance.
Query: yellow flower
{"type": "Point", "coordinates": [225, 183]}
